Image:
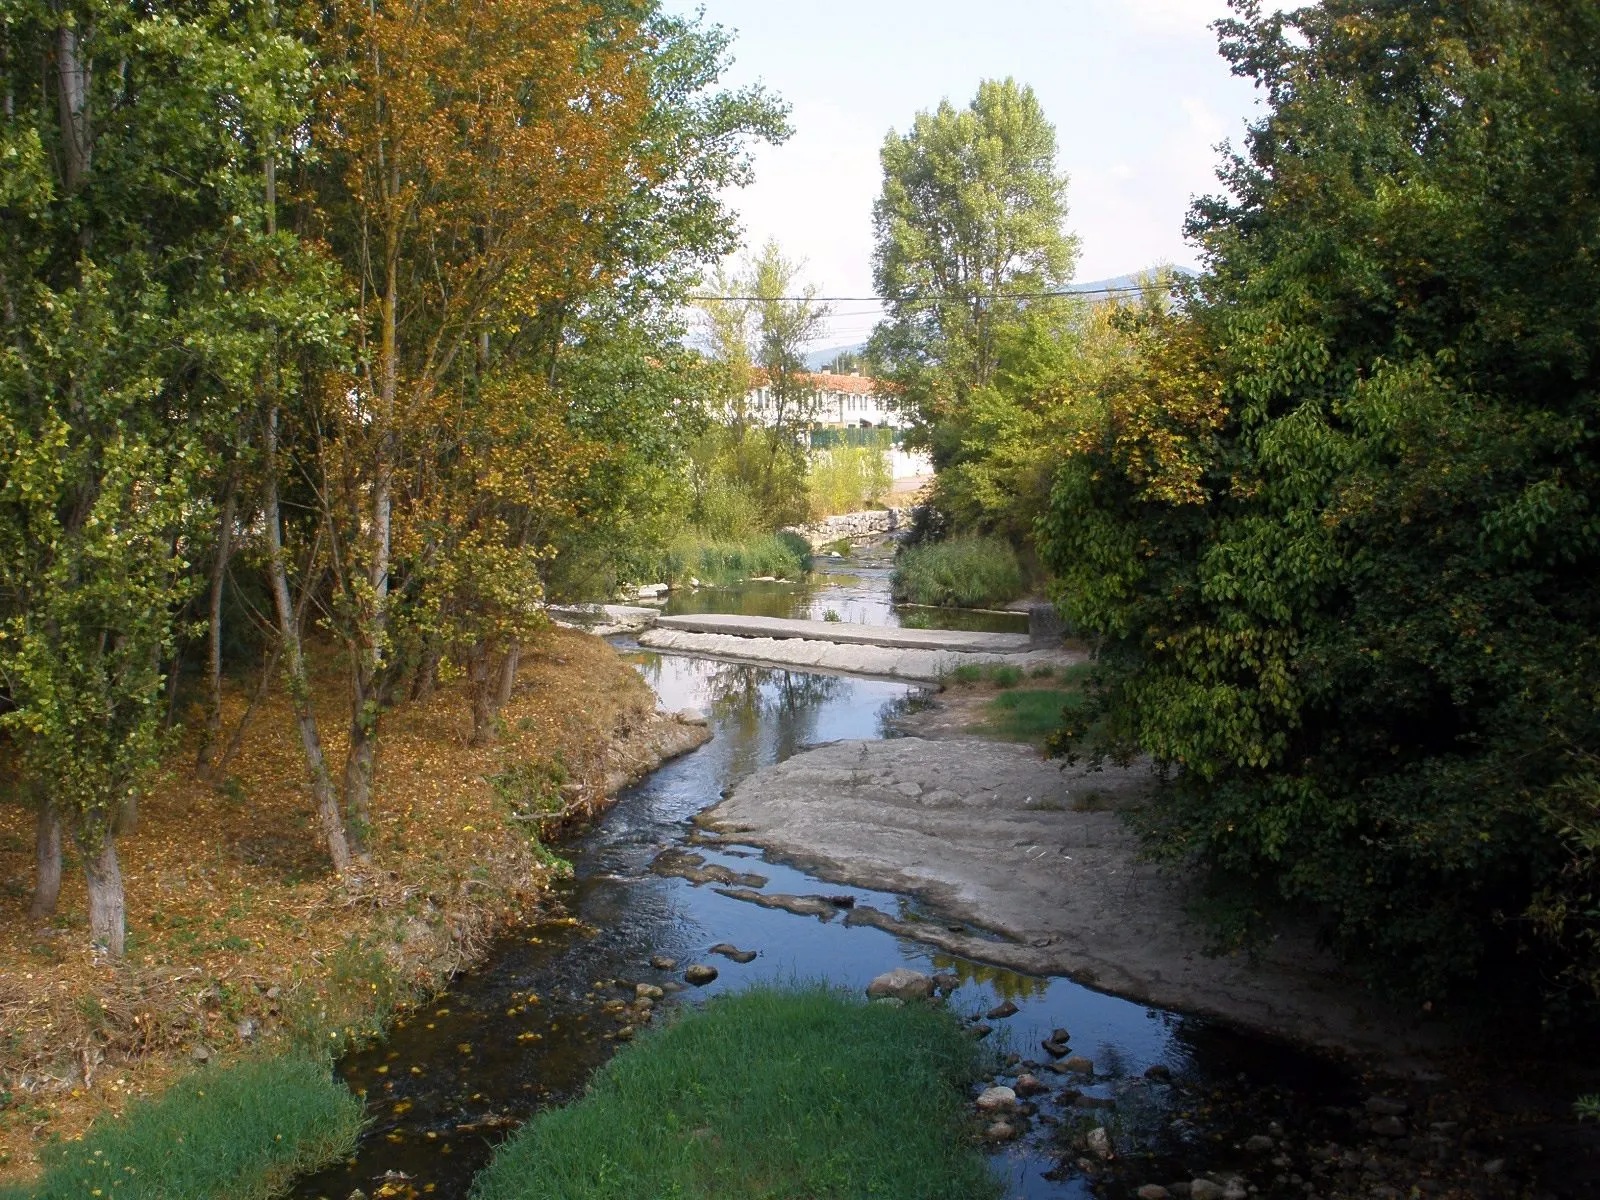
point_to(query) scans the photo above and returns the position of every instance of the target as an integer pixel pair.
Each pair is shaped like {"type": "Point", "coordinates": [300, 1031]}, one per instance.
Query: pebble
{"type": "Point", "coordinates": [699, 974]}
{"type": "Point", "coordinates": [980, 1030]}
{"type": "Point", "coordinates": [1027, 1085]}
{"type": "Point", "coordinates": [662, 963]}
{"type": "Point", "coordinates": [647, 991]}
{"type": "Point", "coordinates": [1099, 1142]}
{"type": "Point", "coordinates": [1079, 1065]}
{"type": "Point", "coordinates": [201, 1052]}
{"type": "Point", "coordinates": [1259, 1144]}
{"type": "Point", "coordinates": [1001, 1011]}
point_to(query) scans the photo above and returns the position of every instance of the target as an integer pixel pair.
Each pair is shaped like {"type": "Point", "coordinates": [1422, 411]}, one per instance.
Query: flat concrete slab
{"type": "Point", "coordinates": [885, 662]}
{"type": "Point", "coordinates": [844, 633]}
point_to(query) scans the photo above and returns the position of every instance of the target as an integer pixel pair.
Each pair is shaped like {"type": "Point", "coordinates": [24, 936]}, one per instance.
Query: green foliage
{"type": "Point", "coordinates": [1032, 714]}
{"type": "Point", "coordinates": [967, 572]}
{"type": "Point", "coordinates": [721, 564]}
{"type": "Point", "coordinates": [1335, 522]}
{"type": "Point", "coordinates": [847, 479]}
{"type": "Point", "coordinates": [766, 1093]}
{"type": "Point", "coordinates": [241, 1131]}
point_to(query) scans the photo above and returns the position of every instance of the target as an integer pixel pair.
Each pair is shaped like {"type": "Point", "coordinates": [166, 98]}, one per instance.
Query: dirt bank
{"type": "Point", "coordinates": [239, 934]}
{"type": "Point", "coordinates": [993, 835]}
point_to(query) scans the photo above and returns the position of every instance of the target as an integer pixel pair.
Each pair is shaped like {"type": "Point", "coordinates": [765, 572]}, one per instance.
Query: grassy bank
{"type": "Point", "coordinates": [1016, 706]}
{"type": "Point", "coordinates": [721, 563]}
{"type": "Point", "coordinates": [764, 1094]}
{"type": "Point", "coordinates": [968, 572]}
{"type": "Point", "coordinates": [240, 1132]}
{"type": "Point", "coordinates": [236, 920]}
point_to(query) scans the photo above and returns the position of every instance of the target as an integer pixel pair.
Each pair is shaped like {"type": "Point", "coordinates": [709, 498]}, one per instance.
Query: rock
{"type": "Point", "coordinates": [1204, 1189]}
{"type": "Point", "coordinates": [625, 1034]}
{"type": "Point", "coordinates": [1079, 1065]}
{"type": "Point", "coordinates": [644, 1004]}
{"type": "Point", "coordinates": [246, 1030]}
{"type": "Point", "coordinates": [997, 1099]}
{"type": "Point", "coordinates": [201, 1052]}
{"type": "Point", "coordinates": [274, 992]}
{"type": "Point", "coordinates": [1152, 1191]}
{"type": "Point", "coordinates": [1054, 1049]}
{"type": "Point", "coordinates": [1494, 1166]}
{"type": "Point", "coordinates": [841, 901]}
{"type": "Point", "coordinates": [730, 951]}
{"type": "Point", "coordinates": [947, 981]}
{"type": "Point", "coordinates": [1389, 1127]}
{"type": "Point", "coordinates": [647, 991]}
{"type": "Point", "coordinates": [1259, 1144]}
{"type": "Point", "coordinates": [980, 1030]}
{"type": "Point", "coordinates": [1181, 1188]}
{"type": "Point", "coordinates": [1027, 1085]}
{"type": "Point", "coordinates": [1235, 1189]}
{"type": "Point", "coordinates": [1000, 1011]}
{"type": "Point", "coordinates": [1082, 1101]}
{"type": "Point", "coordinates": [699, 974]}
{"type": "Point", "coordinates": [1000, 1131]}
{"type": "Point", "coordinates": [902, 983]}
{"type": "Point", "coordinates": [1160, 1073]}
{"type": "Point", "coordinates": [1385, 1106]}
{"type": "Point", "coordinates": [1098, 1142]}
{"type": "Point", "coordinates": [662, 963]}
{"type": "Point", "coordinates": [693, 716]}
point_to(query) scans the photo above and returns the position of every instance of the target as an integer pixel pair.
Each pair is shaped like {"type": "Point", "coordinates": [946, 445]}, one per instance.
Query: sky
{"type": "Point", "coordinates": [1135, 88]}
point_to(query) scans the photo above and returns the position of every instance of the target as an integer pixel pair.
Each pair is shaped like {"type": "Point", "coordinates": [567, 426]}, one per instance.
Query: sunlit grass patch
{"type": "Point", "coordinates": [965, 572]}
{"type": "Point", "coordinates": [239, 1132]}
{"type": "Point", "coordinates": [768, 1093]}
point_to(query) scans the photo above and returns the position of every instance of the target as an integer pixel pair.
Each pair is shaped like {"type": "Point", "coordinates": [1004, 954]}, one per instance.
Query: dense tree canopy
{"type": "Point", "coordinates": [1336, 523]}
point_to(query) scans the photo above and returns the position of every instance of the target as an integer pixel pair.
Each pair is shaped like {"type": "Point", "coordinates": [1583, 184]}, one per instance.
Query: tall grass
{"type": "Point", "coordinates": [763, 1094]}
{"type": "Point", "coordinates": [847, 479]}
{"type": "Point", "coordinates": [720, 563]}
{"type": "Point", "coordinates": [967, 572]}
{"type": "Point", "coordinates": [241, 1132]}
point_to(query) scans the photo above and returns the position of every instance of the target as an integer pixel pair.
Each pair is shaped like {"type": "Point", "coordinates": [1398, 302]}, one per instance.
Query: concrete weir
{"type": "Point", "coordinates": [920, 655]}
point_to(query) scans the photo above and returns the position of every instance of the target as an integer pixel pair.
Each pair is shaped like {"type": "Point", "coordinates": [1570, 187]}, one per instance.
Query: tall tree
{"type": "Point", "coordinates": [970, 217]}
{"type": "Point", "coordinates": [1337, 526]}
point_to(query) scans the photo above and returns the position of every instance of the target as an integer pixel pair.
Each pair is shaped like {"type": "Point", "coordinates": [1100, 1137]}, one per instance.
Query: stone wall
{"type": "Point", "coordinates": [855, 526]}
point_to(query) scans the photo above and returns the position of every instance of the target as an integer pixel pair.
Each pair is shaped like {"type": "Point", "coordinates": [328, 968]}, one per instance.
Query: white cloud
{"type": "Point", "coordinates": [1182, 18]}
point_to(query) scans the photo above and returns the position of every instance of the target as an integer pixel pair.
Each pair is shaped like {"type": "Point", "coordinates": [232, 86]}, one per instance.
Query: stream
{"type": "Point", "coordinates": [527, 1028]}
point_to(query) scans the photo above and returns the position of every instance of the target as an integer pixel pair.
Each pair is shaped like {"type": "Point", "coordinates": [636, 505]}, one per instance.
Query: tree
{"type": "Point", "coordinates": [1336, 524]}
{"type": "Point", "coordinates": [969, 224]}
{"type": "Point", "coordinates": [130, 208]}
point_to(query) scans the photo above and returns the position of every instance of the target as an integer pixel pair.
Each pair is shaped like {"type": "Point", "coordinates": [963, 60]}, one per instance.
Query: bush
{"type": "Point", "coordinates": [847, 479]}
{"type": "Point", "coordinates": [241, 1132]}
{"type": "Point", "coordinates": [767, 1093]}
{"type": "Point", "coordinates": [966, 572]}
{"type": "Point", "coordinates": [721, 563]}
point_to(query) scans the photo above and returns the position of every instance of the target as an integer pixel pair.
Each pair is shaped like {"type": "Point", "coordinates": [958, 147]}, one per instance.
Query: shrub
{"type": "Point", "coordinates": [241, 1132]}
{"type": "Point", "coordinates": [720, 563]}
{"type": "Point", "coordinates": [767, 1093]}
{"type": "Point", "coordinates": [967, 572]}
{"type": "Point", "coordinates": [847, 479]}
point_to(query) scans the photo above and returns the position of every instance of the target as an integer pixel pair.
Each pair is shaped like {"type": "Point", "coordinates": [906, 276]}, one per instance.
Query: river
{"type": "Point", "coordinates": [527, 1027]}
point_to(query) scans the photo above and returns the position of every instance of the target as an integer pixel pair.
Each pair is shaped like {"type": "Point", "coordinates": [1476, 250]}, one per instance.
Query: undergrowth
{"type": "Point", "coordinates": [967, 572]}
{"type": "Point", "coordinates": [767, 1093]}
{"type": "Point", "coordinates": [241, 1132]}
{"type": "Point", "coordinates": [722, 563]}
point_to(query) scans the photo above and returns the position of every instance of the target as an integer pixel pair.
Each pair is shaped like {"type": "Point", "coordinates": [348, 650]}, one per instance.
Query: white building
{"type": "Point", "coordinates": [848, 402]}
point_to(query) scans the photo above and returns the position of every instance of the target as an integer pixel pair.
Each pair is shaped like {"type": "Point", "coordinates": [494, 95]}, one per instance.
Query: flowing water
{"type": "Point", "coordinates": [528, 1027]}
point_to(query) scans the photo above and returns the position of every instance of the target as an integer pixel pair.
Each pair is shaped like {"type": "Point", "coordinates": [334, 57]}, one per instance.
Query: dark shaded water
{"type": "Point", "coordinates": [528, 1028]}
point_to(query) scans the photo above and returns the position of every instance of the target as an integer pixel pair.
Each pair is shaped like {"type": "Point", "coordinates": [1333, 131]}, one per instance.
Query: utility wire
{"type": "Point", "coordinates": [1064, 295]}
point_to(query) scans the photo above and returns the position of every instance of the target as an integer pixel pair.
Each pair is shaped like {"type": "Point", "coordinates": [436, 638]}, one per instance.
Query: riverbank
{"type": "Point", "coordinates": [241, 939]}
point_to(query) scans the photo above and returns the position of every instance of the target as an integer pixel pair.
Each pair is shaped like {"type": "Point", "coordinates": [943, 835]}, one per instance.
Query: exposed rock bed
{"type": "Point", "coordinates": [1039, 853]}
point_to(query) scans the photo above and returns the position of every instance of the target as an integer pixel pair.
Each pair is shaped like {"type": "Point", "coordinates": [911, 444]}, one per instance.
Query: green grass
{"type": "Point", "coordinates": [1029, 714]}
{"type": "Point", "coordinates": [239, 1133]}
{"type": "Point", "coordinates": [970, 572]}
{"type": "Point", "coordinates": [721, 563]}
{"type": "Point", "coordinates": [768, 1093]}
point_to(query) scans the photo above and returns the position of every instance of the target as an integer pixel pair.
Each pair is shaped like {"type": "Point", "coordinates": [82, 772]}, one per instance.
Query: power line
{"type": "Point", "coordinates": [1062, 295]}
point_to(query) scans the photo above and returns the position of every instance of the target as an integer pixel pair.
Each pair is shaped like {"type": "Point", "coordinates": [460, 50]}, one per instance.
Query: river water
{"type": "Point", "coordinates": [528, 1027]}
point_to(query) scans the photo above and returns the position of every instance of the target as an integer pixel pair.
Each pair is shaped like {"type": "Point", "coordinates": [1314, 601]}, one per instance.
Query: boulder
{"type": "Point", "coordinates": [902, 983]}
{"type": "Point", "coordinates": [733, 953]}
{"type": "Point", "coordinates": [997, 1099]}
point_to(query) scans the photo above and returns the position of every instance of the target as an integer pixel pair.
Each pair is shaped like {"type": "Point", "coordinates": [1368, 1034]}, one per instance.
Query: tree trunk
{"type": "Point", "coordinates": [358, 772]}
{"type": "Point", "coordinates": [108, 918]}
{"type": "Point", "coordinates": [219, 769]}
{"type": "Point", "coordinates": [47, 860]}
{"type": "Point", "coordinates": [508, 675]}
{"type": "Point", "coordinates": [484, 685]}
{"type": "Point", "coordinates": [426, 680]}
{"type": "Point", "coordinates": [73, 101]}
{"type": "Point", "coordinates": [219, 574]}
{"type": "Point", "coordinates": [327, 803]}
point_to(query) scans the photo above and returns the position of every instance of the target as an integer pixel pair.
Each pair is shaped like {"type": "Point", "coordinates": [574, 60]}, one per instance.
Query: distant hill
{"type": "Point", "coordinates": [817, 359]}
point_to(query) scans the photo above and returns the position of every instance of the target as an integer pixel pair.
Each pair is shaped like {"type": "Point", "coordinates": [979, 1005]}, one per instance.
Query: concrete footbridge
{"type": "Point", "coordinates": [885, 651]}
